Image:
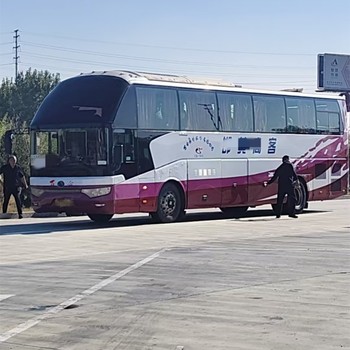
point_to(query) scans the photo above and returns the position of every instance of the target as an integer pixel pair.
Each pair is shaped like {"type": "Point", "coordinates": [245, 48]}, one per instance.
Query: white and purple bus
{"type": "Point", "coordinates": [119, 142]}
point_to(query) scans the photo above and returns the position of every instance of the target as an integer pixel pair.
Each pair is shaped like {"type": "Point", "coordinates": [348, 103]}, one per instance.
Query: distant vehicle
{"type": "Point", "coordinates": [122, 142]}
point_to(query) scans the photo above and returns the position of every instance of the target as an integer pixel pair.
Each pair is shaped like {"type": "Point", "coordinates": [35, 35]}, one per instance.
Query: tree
{"type": "Point", "coordinates": [5, 125]}
{"type": "Point", "coordinates": [20, 99]}
{"type": "Point", "coordinates": [20, 142]}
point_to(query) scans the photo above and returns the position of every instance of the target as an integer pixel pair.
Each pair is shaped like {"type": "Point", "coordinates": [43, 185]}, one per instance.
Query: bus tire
{"type": "Point", "coordinates": [100, 218]}
{"type": "Point", "coordinates": [234, 212]}
{"type": "Point", "coordinates": [170, 204]}
{"type": "Point", "coordinates": [301, 197]}
{"type": "Point", "coordinates": [301, 200]}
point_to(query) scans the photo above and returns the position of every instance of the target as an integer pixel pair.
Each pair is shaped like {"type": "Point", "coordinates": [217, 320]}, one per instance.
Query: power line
{"type": "Point", "coordinates": [208, 68]}
{"type": "Point", "coordinates": [173, 47]}
{"type": "Point", "coordinates": [150, 59]}
{"type": "Point", "coordinates": [123, 66]}
{"type": "Point", "coordinates": [310, 84]}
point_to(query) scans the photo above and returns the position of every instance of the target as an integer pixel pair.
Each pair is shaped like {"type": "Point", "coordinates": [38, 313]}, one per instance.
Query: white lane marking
{"type": "Point", "coordinates": [5, 296]}
{"type": "Point", "coordinates": [55, 310]}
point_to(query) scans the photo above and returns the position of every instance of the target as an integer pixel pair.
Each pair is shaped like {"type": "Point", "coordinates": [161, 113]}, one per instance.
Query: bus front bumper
{"type": "Point", "coordinates": [73, 202]}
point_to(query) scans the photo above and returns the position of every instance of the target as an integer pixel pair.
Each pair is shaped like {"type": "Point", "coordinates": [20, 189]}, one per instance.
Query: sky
{"type": "Point", "coordinates": [265, 44]}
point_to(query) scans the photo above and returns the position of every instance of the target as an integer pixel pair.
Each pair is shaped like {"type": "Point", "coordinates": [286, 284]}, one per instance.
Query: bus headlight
{"type": "Point", "coordinates": [96, 192]}
{"type": "Point", "coordinates": [36, 192]}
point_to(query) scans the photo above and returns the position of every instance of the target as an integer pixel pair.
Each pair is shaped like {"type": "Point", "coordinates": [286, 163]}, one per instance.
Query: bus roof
{"type": "Point", "coordinates": [210, 84]}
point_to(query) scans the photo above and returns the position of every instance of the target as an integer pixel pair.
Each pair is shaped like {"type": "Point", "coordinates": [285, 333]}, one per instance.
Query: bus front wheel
{"type": "Point", "coordinates": [100, 218]}
{"type": "Point", "coordinates": [170, 204]}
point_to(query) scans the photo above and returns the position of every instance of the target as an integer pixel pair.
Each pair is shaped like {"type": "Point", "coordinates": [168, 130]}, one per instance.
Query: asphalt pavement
{"type": "Point", "coordinates": [206, 283]}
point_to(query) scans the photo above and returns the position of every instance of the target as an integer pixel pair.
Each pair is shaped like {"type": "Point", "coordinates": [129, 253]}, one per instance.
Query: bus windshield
{"type": "Point", "coordinates": [84, 100]}
{"type": "Point", "coordinates": [69, 152]}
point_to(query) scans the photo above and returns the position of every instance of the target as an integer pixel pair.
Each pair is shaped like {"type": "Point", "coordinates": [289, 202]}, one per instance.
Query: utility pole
{"type": "Point", "coordinates": [16, 47]}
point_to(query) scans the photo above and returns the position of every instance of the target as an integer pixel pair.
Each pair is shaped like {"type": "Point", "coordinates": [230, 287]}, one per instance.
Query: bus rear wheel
{"type": "Point", "coordinates": [100, 218]}
{"type": "Point", "coordinates": [234, 212]}
{"type": "Point", "coordinates": [170, 204]}
{"type": "Point", "coordinates": [301, 199]}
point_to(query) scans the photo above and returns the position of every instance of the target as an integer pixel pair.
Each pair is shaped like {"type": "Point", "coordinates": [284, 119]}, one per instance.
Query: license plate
{"type": "Point", "coordinates": [63, 203]}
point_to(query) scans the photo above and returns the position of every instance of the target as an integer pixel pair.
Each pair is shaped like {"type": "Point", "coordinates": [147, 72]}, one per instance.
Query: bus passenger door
{"type": "Point", "coordinates": [146, 177]}
{"type": "Point", "coordinates": [234, 182]}
{"type": "Point", "coordinates": [123, 162]}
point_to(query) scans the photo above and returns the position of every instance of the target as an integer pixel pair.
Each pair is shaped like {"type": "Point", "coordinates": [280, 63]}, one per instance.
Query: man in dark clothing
{"type": "Point", "coordinates": [287, 178]}
{"type": "Point", "coordinates": [14, 180]}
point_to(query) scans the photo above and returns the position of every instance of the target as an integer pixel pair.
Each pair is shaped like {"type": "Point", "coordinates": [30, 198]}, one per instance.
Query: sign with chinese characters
{"type": "Point", "coordinates": [199, 144]}
{"type": "Point", "coordinates": [248, 145]}
{"type": "Point", "coordinates": [333, 72]}
{"type": "Point", "coordinates": [271, 148]}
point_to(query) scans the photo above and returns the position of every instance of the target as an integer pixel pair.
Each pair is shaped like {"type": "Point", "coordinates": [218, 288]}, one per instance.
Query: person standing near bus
{"type": "Point", "coordinates": [14, 180]}
{"type": "Point", "coordinates": [287, 178]}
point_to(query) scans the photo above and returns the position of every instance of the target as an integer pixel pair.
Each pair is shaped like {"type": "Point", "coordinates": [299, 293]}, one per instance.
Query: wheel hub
{"type": "Point", "coordinates": [168, 203]}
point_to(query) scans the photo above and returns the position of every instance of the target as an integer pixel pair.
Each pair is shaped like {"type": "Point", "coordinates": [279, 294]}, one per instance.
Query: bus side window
{"type": "Point", "coordinates": [126, 114]}
{"type": "Point", "coordinates": [322, 122]}
{"type": "Point", "coordinates": [270, 115]}
{"type": "Point", "coordinates": [301, 115]}
{"type": "Point", "coordinates": [259, 115]}
{"type": "Point", "coordinates": [334, 123]}
{"type": "Point", "coordinates": [157, 108]}
{"type": "Point", "coordinates": [236, 112]}
{"type": "Point", "coordinates": [293, 115]}
{"type": "Point", "coordinates": [166, 116]}
{"type": "Point", "coordinates": [184, 117]}
{"type": "Point", "coordinates": [198, 110]}
{"type": "Point", "coordinates": [328, 116]}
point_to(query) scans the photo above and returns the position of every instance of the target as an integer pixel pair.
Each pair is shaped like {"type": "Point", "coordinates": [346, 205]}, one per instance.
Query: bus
{"type": "Point", "coordinates": [116, 142]}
